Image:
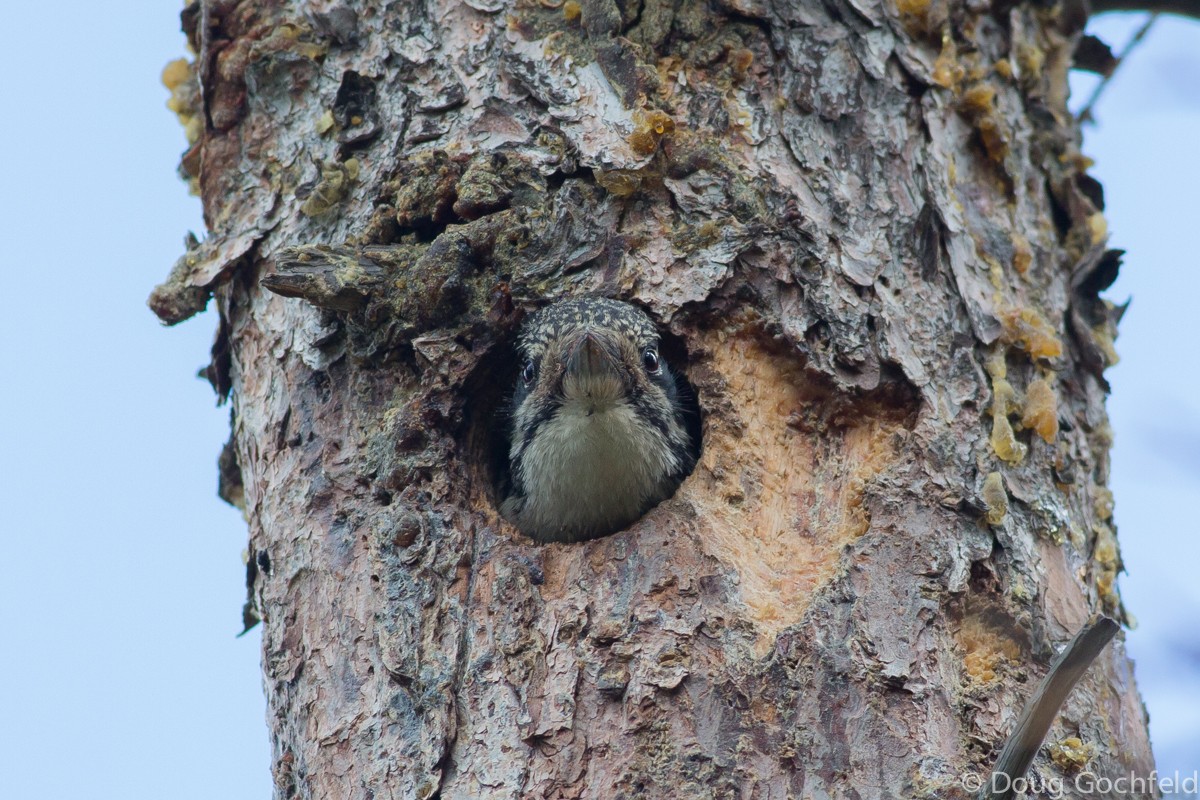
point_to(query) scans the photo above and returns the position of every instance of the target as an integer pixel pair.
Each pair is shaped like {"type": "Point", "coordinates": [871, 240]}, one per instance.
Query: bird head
{"type": "Point", "coordinates": [598, 434]}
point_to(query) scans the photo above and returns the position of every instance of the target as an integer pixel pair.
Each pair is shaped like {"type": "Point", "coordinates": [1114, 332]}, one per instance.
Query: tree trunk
{"type": "Point", "coordinates": [869, 235]}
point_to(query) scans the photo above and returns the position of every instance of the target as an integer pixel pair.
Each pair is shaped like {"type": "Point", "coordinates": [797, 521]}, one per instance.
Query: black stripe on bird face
{"type": "Point", "coordinates": [650, 409]}
{"type": "Point", "coordinates": [541, 415]}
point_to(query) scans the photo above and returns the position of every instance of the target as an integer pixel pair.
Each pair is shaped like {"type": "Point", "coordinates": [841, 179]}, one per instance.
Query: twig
{"type": "Point", "coordinates": [1025, 740]}
{"type": "Point", "coordinates": [1086, 114]}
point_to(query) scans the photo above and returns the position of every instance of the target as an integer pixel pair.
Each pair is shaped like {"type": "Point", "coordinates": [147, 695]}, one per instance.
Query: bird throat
{"type": "Point", "coordinates": [593, 466]}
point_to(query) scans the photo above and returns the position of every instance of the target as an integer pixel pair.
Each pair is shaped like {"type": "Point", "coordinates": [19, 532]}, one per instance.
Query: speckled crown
{"type": "Point", "coordinates": [565, 316]}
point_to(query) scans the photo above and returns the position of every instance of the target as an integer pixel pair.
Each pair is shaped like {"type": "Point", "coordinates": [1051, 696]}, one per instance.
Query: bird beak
{"type": "Point", "coordinates": [594, 357]}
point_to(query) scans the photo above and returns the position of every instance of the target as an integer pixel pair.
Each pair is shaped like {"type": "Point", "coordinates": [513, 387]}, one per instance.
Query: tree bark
{"type": "Point", "coordinates": [868, 232]}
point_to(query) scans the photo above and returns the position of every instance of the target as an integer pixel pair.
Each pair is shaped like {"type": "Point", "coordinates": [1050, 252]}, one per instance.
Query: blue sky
{"type": "Point", "coordinates": [1145, 147]}
{"type": "Point", "coordinates": [120, 674]}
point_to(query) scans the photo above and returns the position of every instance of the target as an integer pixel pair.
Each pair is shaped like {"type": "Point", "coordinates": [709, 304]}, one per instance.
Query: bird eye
{"type": "Point", "coordinates": [528, 372]}
{"type": "Point", "coordinates": [650, 360]}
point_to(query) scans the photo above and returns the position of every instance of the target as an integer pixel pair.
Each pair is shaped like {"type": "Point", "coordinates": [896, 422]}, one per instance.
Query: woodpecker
{"type": "Point", "coordinates": [598, 433]}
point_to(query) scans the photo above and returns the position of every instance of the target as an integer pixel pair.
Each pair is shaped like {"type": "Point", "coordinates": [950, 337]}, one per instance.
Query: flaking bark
{"type": "Point", "coordinates": [868, 231]}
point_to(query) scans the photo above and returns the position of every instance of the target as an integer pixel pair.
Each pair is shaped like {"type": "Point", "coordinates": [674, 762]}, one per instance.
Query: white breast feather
{"type": "Point", "coordinates": [587, 472]}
